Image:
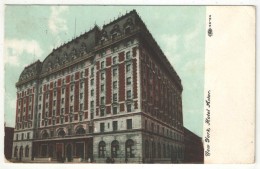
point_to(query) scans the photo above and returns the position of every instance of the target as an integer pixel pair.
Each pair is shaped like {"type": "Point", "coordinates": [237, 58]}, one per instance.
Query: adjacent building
{"type": "Point", "coordinates": [8, 144]}
{"type": "Point", "coordinates": [111, 92]}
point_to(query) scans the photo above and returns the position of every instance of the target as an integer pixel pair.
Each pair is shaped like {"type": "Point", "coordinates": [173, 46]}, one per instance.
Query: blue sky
{"type": "Point", "coordinates": [31, 32]}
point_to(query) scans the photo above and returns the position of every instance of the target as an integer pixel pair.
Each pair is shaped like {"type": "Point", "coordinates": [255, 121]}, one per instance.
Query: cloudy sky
{"type": "Point", "coordinates": [31, 32]}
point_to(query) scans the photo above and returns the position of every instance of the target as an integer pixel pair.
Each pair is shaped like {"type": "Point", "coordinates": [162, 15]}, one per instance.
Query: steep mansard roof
{"type": "Point", "coordinates": [86, 43]}
{"type": "Point", "coordinates": [71, 50]}
{"type": "Point", "coordinates": [31, 71]}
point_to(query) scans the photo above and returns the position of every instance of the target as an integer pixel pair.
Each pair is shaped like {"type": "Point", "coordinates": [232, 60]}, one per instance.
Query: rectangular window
{"type": "Point", "coordinates": [129, 107]}
{"type": "Point", "coordinates": [145, 124]}
{"type": "Point", "coordinates": [22, 135]}
{"type": "Point", "coordinates": [114, 125]}
{"type": "Point", "coordinates": [80, 117]}
{"type": "Point", "coordinates": [92, 104]}
{"type": "Point", "coordinates": [114, 60]}
{"type": "Point", "coordinates": [129, 123]}
{"type": "Point", "coordinates": [71, 88]}
{"type": "Point", "coordinates": [71, 109]}
{"type": "Point", "coordinates": [92, 72]}
{"type": "Point", "coordinates": [62, 100]}
{"type": "Point", "coordinates": [40, 106]}
{"type": "Point", "coordinates": [55, 93]}
{"type": "Point", "coordinates": [62, 110]}
{"type": "Point", "coordinates": [128, 81]}
{"type": "Point", "coordinates": [102, 76]}
{"type": "Point", "coordinates": [61, 120]}
{"type": "Point", "coordinates": [129, 94]}
{"type": "Point", "coordinates": [71, 98]}
{"type": "Point", "coordinates": [81, 85]}
{"type": "Point", "coordinates": [115, 85]}
{"type": "Point", "coordinates": [92, 82]}
{"type": "Point", "coordinates": [16, 136]}
{"type": "Point", "coordinates": [102, 112]}
{"type": "Point", "coordinates": [40, 98]}
{"type": "Point", "coordinates": [54, 102]}
{"type": "Point", "coordinates": [114, 72]}
{"type": "Point", "coordinates": [102, 65]}
{"type": "Point", "coordinates": [81, 95]}
{"type": "Point", "coordinates": [128, 67]}
{"type": "Point", "coordinates": [115, 110]}
{"type": "Point", "coordinates": [102, 88]}
{"type": "Point", "coordinates": [102, 100]}
{"type": "Point", "coordinates": [115, 97]}
{"type": "Point", "coordinates": [92, 92]}
{"type": "Point", "coordinates": [63, 90]}
{"type": "Point", "coordinates": [53, 112]}
{"type": "Point", "coordinates": [102, 127]}
{"type": "Point", "coordinates": [127, 55]}
{"type": "Point", "coordinates": [81, 106]}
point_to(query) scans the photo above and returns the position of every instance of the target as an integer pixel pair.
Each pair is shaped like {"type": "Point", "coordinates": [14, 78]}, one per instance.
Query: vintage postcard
{"type": "Point", "coordinates": [129, 84]}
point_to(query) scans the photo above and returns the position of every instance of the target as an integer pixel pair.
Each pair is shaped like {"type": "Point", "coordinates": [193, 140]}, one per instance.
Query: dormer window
{"type": "Point", "coordinates": [114, 35]}
{"type": "Point", "coordinates": [127, 30]}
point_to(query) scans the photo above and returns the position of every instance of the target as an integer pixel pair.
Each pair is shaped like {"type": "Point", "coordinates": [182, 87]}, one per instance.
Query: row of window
{"type": "Point", "coordinates": [115, 149]}
{"type": "Point", "coordinates": [21, 151]}
{"type": "Point", "coordinates": [115, 125]}
{"type": "Point", "coordinates": [23, 136]}
{"type": "Point", "coordinates": [71, 119]}
{"type": "Point", "coordinates": [161, 150]}
{"type": "Point", "coordinates": [62, 133]}
{"type": "Point", "coordinates": [164, 131]}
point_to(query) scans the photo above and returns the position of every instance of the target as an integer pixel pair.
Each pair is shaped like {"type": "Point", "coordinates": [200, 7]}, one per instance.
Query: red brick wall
{"type": "Point", "coordinates": [27, 108]}
{"type": "Point", "coordinates": [50, 102]}
{"type": "Point", "coordinates": [43, 105]}
{"type": "Point", "coordinates": [108, 85]}
{"type": "Point", "coordinates": [121, 82]}
{"type": "Point", "coordinates": [86, 94]}
{"type": "Point", "coordinates": [67, 98]}
{"type": "Point", "coordinates": [76, 75]}
{"type": "Point", "coordinates": [76, 96]}
{"type": "Point", "coordinates": [58, 99]}
{"type": "Point", "coordinates": [135, 78]}
{"type": "Point", "coordinates": [32, 108]}
{"type": "Point", "coordinates": [108, 61]}
{"type": "Point", "coordinates": [121, 56]}
{"type": "Point", "coordinates": [97, 92]}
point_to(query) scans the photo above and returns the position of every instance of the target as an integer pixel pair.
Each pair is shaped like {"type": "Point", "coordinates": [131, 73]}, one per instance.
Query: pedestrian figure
{"type": "Point", "coordinates": [112, 160]}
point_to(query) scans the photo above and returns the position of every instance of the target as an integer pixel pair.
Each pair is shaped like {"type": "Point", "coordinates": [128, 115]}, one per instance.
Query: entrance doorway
{"type": "Point", "coordinates": [69, 152]}
{"type": "Point", "coordinates": [80, 150]}
{"type": "Point", "coordinates": [59, 152]}
{"type": "Point", "coordinates": [21, 153]}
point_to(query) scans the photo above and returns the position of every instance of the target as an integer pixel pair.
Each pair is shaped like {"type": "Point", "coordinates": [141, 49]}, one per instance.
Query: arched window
{"type": "Point", "coordinates": [168, 151]}
{"type": "Point", "coordinates": [80, 131]}
{"type": "Point", "coordinates": [45, 135]}
{"type": "Point", "coordinates": [159, 150]}
{"type": "Point", "coordinates": [146, 149]}
{"type": "Point", "coordinates": [101, 149]}
{"type": "Point", "coordinates": [164, 151]}
{"type": "Point", "coordinates": [153, 150]}
{"type": "Point", "coordinates": [61, 133]}
{"type": "Point", "coordinates": [15, 151]}
{"type": "Point", "coordinates": [129, 149]}
{"type": "Point", "coordinates": [21, 152]}
{"type": "Point", "coordinates": [114, 148]}
{"type": "Point", "coordinates": [27, 151]}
